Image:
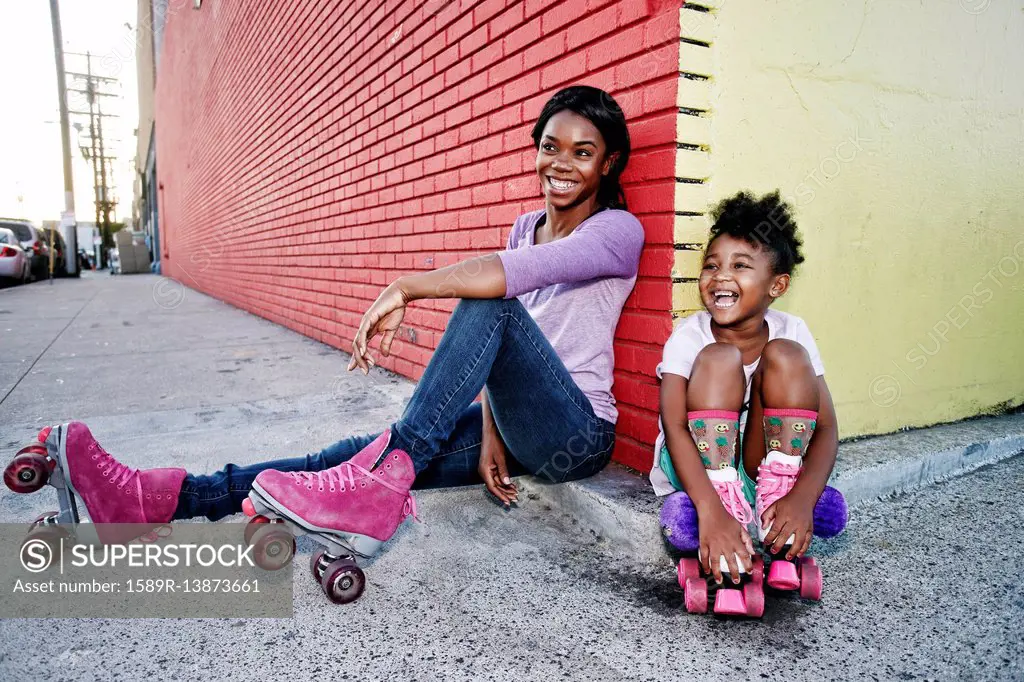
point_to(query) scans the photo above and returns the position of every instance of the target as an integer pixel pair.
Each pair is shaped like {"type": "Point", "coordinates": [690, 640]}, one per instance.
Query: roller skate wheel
{"type": "Point", "coordinates": [32, 449]}
{"type": "Point", "coordinates": [46, 518]}
{"type": "Point", "coordinates": [343, 581]}
{"type": "Point", "coordinates": [27, 473]}
{"type": "Point", "coordinates": [247, 507]}
{"type": "Point", "coordinates": [695, 595]}
{"type": "Point", "coordinates": [687, 568]}
{"type": "Point", "coordinates": [253, 525]}
{"type": "Point", "coordinates": [753, 597]}
{"type": "Point", "coordinates": [810, 581]}
{"type": "Point", "coordinates": [314, 565]}
{"type": "Point", "coordinates": [273, 547]}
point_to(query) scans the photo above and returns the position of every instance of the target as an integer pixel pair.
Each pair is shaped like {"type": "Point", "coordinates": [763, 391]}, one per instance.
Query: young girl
{"type": "Point", "coordinates": [742, 369]}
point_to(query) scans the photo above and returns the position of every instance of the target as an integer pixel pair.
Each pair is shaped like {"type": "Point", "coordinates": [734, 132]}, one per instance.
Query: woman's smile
{"type": "Point", "coordinates": [561, 187]}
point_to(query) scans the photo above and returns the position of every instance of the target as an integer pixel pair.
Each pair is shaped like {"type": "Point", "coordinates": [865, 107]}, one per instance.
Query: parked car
{"type": "Point", "coordinates": [14, 262]}
{"type": "Point", "coordinates": [85, 260]}
{"type": "Point", "coordinates": [60, 268]}
{"type": "Point", "coordinates": [31, 240]}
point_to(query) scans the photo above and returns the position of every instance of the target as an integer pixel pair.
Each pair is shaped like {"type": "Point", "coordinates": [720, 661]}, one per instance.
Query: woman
{"type": "Point", "coordinates": [534, 328]}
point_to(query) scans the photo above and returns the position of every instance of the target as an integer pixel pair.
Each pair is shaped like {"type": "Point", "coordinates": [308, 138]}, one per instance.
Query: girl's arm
{"type": "Point", "coordinates": [720, 534]}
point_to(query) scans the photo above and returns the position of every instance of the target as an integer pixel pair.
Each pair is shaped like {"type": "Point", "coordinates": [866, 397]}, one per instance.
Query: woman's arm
{"type": "Point", "coordinates": [492, 467]}
{"type": "Point", "coordinates": [480, 277]}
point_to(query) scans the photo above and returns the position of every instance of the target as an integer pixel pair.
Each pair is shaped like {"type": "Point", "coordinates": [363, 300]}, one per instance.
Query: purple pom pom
{"type": "Point", "coordinates": [679, 522]}
{"type": "Point", "coordinates": [830, 513]}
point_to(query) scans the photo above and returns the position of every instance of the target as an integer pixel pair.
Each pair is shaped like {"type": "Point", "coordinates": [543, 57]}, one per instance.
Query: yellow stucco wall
{"type": "Point", "coordinates": [896, 130]}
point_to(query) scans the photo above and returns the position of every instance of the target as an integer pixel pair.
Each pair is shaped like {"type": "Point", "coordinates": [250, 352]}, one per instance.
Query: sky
{"type": "Point", "coordinates": [32, 174]}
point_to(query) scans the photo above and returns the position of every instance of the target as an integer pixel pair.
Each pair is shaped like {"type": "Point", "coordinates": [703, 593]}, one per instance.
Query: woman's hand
{"type": "Point", "coordinates": [791, 514]}
{"type": "Point", "coordinates": [383, 317]}
{"type": "Point", "coordinates": [722, 535]}
{"type": "Point", "coordinates": [494, 470]}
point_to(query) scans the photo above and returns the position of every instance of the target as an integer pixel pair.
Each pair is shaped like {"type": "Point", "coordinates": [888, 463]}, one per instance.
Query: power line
{"type": "Point", "coordinates": [94, 147]}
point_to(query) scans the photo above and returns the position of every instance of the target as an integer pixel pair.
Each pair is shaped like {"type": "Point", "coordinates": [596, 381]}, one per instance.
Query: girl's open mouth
{"type": "Point", "coordinates": [725, 299]}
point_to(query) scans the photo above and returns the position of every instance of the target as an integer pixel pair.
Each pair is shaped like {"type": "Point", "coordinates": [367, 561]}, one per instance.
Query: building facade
{"type": "Point", "coordinates": [312, 152]}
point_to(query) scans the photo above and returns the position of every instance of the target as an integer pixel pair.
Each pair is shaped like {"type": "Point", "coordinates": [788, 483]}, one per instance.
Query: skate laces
{"type": "Point", "coordinates": [731, 494]}
{"type": "Point", "coordinates": [774, 481]}
{"type": "Point", "coordinates": [345, 476]}
{"type": "Point", "coordinates": [114, 471]}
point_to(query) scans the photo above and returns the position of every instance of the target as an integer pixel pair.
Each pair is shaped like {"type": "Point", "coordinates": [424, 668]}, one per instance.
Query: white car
{"type": "Point", "coordinates": [14, 263]}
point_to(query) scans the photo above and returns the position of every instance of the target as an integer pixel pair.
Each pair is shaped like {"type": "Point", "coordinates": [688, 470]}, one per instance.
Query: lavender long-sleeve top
{"type": "Point", "coordinates": [574, 289]}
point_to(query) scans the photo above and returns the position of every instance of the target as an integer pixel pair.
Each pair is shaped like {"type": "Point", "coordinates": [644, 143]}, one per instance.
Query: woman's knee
{"type": "Point", "coordinates": [486, 306]}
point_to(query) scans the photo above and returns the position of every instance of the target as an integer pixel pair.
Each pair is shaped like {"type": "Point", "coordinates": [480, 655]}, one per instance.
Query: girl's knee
{"type": "Point", "coordinates": [784, 353]}
{"type": "Point", "coordinates": [718, 357]}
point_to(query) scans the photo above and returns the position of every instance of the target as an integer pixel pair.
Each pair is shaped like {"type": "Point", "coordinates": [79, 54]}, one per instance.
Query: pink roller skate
{"type": "Point", "coordinates": [745, 599]}
{"type": "Point", "coordinates": [776, 476]}
{"type": "Point", "coordinates": [72, 461]}
{"type": "Point", "coordinates": [353, 509]}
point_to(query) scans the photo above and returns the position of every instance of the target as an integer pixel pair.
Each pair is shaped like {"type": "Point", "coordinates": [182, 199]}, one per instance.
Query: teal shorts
{"type": "Point", "coordinates": [665, 464]}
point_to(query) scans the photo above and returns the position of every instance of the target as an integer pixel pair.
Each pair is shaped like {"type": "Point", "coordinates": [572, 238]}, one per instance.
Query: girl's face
{"type": "Point", "coordinates": [737, 282]}
{"type": "Point", "coordinates": [571, 159]}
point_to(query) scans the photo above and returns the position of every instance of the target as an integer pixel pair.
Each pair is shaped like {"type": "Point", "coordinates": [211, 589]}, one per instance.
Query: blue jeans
{"type": "Point", "coordinates": [547, 423]}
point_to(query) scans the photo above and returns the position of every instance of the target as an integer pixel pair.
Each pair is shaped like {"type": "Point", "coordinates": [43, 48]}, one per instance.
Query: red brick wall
{"type": "Point", "coordinates": [311, 152]}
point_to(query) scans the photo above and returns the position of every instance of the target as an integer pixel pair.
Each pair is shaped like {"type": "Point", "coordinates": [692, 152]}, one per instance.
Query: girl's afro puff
{"type": "Point", "coordinates": [764, 222]}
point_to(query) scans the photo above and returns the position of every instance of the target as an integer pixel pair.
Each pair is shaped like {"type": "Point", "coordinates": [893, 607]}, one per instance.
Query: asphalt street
{"type": "Point", "coordinates": [924, 586]}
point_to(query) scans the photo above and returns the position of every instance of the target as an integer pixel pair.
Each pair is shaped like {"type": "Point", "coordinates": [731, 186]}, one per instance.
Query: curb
{"type": "Point", "coordinates": [620, 507]}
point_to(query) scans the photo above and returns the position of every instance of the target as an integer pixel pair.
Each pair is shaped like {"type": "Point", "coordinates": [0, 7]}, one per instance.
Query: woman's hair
{"type": "Point", "coordinates": [601, 109]}
{"type": "Point", "coordinates": [764, 222]}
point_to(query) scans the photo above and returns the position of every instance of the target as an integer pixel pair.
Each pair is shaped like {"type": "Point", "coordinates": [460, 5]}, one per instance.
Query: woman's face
{"type": "Point", "coordinates": [571, 159]}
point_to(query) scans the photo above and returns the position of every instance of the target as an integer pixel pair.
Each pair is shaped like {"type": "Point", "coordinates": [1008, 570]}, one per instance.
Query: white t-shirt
{"type": "Point", "coordinates": [693, 335]}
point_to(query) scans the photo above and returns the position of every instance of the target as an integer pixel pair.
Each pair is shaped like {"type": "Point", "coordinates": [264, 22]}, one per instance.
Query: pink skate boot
{"type": "Point", "coordinates": [745, 599]}
{"type": "Point", "coordinates": [72, 461]}
{"type": "Point", "coordinates": [776, 476]}
{"type": "Point", "coordinates": [353, 508]}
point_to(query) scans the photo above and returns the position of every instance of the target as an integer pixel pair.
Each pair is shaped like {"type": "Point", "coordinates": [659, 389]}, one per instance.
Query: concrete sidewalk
{"type": "Point", "coordinates": [570, 585]}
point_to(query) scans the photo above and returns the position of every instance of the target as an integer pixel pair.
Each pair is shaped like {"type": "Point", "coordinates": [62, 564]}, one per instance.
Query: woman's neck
{"type": "Point", "coordinates": [561, 223]}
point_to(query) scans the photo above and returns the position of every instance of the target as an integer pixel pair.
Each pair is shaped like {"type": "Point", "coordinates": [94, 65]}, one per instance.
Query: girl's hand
{"type": "Point", "coordinates": [383, 317]}
{"type": "Point", "coordinates": [789, 515]}
{"type": "Point", "coordinates": [494, 470]}
{"type": "Point", "coordinates": [722, 535]}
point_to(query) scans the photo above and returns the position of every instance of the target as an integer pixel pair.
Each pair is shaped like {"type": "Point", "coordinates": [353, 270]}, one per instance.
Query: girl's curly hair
{"type": "Point", "coordinates": [765, 222]}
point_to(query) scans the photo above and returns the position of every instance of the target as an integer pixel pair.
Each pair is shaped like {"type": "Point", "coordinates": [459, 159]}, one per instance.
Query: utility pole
{"type": "Point", "coordinates": [96, 149]}
{"type": "Point", "coordinates": [67, 220]}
